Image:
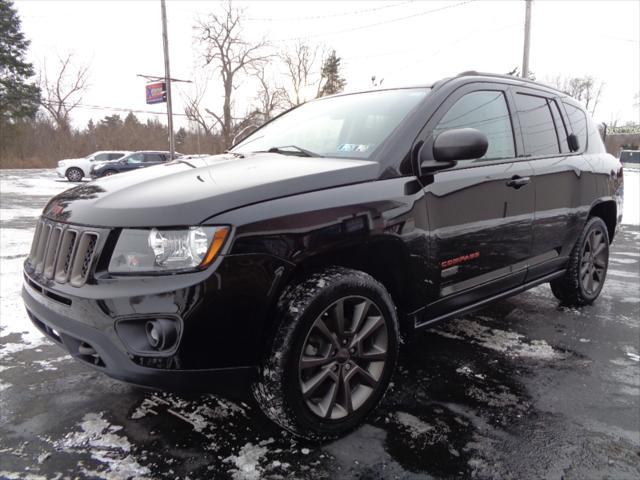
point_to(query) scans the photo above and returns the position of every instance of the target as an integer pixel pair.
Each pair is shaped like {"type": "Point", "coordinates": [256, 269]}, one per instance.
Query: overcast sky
{"type": "Point", "coordinates": [404, 42]}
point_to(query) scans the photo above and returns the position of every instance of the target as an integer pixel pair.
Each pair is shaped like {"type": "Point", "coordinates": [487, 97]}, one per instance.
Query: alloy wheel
{"type": "Point", "coordinates": [343, 357]}
{"type": "Point", "coordinates": [74, 175]}
{"type": "Point", "coordinates": [593, 264]}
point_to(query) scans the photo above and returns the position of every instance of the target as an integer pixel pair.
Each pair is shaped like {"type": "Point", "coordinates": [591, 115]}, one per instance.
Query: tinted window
{"type": "Point", "coordinates": [115, 156]}
{"type": "Point", "coordinates": [485, 111]}
{"type": "Point", "coordinates": [135, 158]}
{"type": "Point", "coordinates": [538, 130]}
{"type": "Point", "coordinates": [578, 122]}
{"type": "Point", "coordinates": [101, 157]}
{"type": "Point", "coordinates": [560, 126]}
{"type": "Point", "coordinates": [153, 157]}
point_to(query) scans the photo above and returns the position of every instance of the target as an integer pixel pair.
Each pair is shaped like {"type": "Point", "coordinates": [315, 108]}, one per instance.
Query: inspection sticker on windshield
{"type": "Point", "coordinates": [353, 147]}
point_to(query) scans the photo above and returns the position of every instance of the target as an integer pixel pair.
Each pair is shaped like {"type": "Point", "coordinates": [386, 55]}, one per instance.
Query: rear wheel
{"type": "Point", "coordinates": [333, 354]}
{"type": "Point", "coordinates": [74, 174]}
{"type": "Point", "coordinates": [587, 269]}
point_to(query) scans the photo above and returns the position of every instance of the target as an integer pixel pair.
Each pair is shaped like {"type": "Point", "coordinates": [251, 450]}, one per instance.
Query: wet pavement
{"type": "Point", "coordinates": [523, 389]}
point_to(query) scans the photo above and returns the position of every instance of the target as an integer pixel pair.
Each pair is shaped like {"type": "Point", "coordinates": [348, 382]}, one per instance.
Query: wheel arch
{"type": "Point", "coordinates": [607, 211]}
{"type": "Point", "coordinates": [384, 258]}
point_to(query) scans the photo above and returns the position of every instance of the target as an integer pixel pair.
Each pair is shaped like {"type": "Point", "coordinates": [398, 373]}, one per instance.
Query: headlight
{"type": "Point", "coordinates": [167, 250]}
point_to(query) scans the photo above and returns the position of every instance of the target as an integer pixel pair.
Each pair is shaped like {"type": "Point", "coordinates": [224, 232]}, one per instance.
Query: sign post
{"type": "Point", "coordinates": [167, 79]}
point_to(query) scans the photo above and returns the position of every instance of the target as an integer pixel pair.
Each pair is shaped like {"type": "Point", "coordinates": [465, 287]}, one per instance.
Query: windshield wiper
{"type": "Point", "coordinates": [296, 151]}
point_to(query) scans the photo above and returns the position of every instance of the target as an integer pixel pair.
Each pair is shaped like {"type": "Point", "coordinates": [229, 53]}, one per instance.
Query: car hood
{"type": "Point", "coordinates": [64, 160]}
{"type": "Point", "coordinates": [190, 192]}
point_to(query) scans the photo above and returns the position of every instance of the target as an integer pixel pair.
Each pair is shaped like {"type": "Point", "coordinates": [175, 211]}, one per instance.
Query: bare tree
{"type": "Point", "coordinates": [585, 89]}
{"type": "Point", "coordinates": [300, 63]}
{"type": "Point", "coordinates": [230, 54]}
{"type": "Point", "coordinates": [270, 97]}
{"type": "Point", "coordinates": [62, 93]}
{"type": "Point", "coordinates": [195, 111]}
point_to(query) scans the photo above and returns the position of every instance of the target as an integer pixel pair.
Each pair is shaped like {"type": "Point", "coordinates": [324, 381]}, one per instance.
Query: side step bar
{"type": "Point", "coordinates": [488, 300]}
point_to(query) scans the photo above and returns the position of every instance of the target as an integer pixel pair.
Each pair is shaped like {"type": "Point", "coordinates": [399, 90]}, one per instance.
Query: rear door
{"type": "Point", "coordinates": [560, 209]}
{"type": "Point", "coordinates": [480, 212]}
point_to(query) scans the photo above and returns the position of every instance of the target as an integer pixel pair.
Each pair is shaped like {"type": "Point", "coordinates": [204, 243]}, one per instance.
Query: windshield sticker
{"type": "Point", "coordinates": [353, 147]}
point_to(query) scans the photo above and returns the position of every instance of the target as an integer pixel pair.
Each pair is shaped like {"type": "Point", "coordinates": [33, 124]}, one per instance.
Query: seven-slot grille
{"type": "Point", "coordinates": [63, 252]}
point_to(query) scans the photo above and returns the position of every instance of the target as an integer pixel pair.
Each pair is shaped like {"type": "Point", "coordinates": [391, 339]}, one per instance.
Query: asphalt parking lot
{"type": "Point", "coordinates": [523, 389]}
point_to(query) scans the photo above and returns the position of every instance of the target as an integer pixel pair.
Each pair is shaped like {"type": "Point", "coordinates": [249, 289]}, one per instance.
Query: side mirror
{"type": "Point", "coordinates": [451, 146]}
{"type": "Point", "coordinates": [573, 142]}
{"type": "Point", "coordinates": [460, 144]}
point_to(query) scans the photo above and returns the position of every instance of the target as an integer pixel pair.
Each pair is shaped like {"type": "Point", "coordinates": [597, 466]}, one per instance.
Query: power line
{"type": "Point", "coordinates": [101, 107]}
{"type": "Point", "coordinates": [362, 27]}
{"type": "Point", "coordinates": [331, 15]}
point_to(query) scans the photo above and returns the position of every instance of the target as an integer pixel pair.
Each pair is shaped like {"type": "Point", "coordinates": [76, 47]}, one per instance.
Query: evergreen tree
{"type": "Point", "coordinates": [331, 79]}
{"type": "Point", "coordinates": [181, 136]}
{"type": "Point", "coordinates": [19, 98]}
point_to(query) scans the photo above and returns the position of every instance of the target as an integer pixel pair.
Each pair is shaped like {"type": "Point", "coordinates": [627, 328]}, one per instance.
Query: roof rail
{"type": "Point", "coordinates": [473, 73]}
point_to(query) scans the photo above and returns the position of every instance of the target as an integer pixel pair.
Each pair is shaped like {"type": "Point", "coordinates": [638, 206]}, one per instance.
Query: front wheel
{"type": "Point", "coordinates": [332, 355]}
{"type": "Point", "coordinates": [583, 281]}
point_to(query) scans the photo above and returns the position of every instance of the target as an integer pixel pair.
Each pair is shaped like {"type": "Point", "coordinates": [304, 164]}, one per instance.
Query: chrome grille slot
{"type": "Point", "coordinates": [38, 262]}
{"type": "Point", "coordinates": [82, 258]}
{"type": "Point", "coordinates": [63, 252]}
{"type": "Point", "coordinates": [65, 255]}
{"type": "Point", "coordinates": [52, 251]}
{"type": "Point", "coordinates": [34, 243]}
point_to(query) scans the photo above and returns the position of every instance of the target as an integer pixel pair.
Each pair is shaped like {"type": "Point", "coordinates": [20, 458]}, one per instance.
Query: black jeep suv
{"type": "Point", "coordinates": [293, 262]}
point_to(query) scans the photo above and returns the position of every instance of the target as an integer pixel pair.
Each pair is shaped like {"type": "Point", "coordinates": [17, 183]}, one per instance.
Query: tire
{"type": "Point", "coordinates": [74, 174]}
{"type": "Point", "coordinates": [360, 362]}
{"type": "Point", "coordinates": [587, 270]}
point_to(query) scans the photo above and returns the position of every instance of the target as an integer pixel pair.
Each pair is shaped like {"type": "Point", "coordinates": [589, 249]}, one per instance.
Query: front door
{"type": "Point", "coordinates": [480, 212]}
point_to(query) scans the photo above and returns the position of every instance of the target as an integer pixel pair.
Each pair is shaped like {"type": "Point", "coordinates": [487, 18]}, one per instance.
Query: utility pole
{"type": "Point", "coordinates": [527, 34]}
{"type": "Point", "coordinates": [167, 79]}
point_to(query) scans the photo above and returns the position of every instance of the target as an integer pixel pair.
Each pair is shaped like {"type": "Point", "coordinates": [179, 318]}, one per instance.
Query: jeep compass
{"type": "Point", "coordinates": [293, 263]}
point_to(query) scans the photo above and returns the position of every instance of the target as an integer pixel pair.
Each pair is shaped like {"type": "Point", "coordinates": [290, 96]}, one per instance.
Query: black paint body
{"type": "Point", "coordinates": [290, 215]}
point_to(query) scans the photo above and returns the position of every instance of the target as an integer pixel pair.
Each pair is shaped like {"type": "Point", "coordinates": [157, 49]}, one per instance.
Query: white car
{"type": "Point", "coordinates": [75, 169]}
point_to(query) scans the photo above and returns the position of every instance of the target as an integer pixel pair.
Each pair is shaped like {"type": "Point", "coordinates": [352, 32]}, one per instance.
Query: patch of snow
{"type": "Point", "coordinates": [99, 438]}
{"type": "Point", "coordinates": [509, 343]}
{"type": "Point", "coordinates": [247, 462]}
{"type": "Point", "coordinates": [631, 209]}
{"type": "Point", "coordinates": [4, 386]}
{"type": "Point", "coordinates": [414, 425]}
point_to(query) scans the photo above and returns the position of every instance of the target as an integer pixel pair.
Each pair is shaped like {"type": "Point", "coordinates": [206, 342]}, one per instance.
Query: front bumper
{"type": "Point", "coordinates": [88, 333]}
{"type": "Point", "coordinates": [61, 171]}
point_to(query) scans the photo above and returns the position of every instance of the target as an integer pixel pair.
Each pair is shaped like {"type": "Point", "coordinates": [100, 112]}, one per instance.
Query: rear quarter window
{"type": "Point", "coordinates": [578, 123]}
{"type": "Point", "coordinates": [538, 129]}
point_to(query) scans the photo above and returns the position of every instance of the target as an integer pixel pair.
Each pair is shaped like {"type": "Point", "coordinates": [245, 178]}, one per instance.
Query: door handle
{"type": "Point", "coordinates": [517, 181]}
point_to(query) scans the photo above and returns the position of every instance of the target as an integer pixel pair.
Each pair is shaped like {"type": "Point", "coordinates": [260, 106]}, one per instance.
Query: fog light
{"type": "Point", "coordinates": [161, 333]}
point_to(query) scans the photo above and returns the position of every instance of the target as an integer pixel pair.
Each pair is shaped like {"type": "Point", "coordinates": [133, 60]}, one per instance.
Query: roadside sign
{"type": "Point", "coordinates": [156, 92]}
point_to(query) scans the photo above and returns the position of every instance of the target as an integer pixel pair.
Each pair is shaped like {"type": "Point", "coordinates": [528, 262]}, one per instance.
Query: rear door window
{"type": "Point", "coordinates": [578, 121]}
{"type": "Point", "coordinates": [115, 156]}
{"type": "Point", "coordinates": [538, 130]}
{"type": "Point", "coordinates": [486, 111]}
{"type": "Point", "coordinates": [153, 157]}
{"type": "Point", "coordinates": [560, 126]}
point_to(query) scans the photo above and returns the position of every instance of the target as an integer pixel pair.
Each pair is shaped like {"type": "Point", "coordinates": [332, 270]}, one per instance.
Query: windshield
{"type": "Point", "coordinates": [349, 126]}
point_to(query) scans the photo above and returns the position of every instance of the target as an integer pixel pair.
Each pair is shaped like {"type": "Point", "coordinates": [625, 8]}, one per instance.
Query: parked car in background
{"type": "Point", "coordinates": [133, 161]}
{"type": "Point", "coordinates": [630, 156]}
{"type": "Point", "coordinates": [293, 262]}
{"type": "Point", "coordinates": [75, 169]}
